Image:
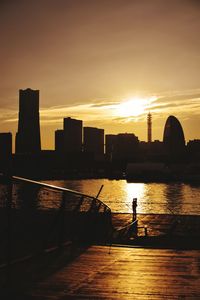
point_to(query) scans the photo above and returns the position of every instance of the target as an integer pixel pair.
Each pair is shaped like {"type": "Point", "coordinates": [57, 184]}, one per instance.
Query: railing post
{"type": "Point", "coordinates": [62, 221]}
{"type": "Point", "coordinates": [99, 192]}
{"type": "Point", "coordinates": [9, 228]}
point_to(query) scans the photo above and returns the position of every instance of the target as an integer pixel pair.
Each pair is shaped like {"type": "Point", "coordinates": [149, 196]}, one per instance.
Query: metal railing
{"type": "Point", "coordinates": [36, 216]}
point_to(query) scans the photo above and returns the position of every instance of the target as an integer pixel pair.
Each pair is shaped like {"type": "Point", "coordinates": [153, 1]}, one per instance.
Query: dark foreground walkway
{"type": "Point", "coordinates": [165, 264]}
{"type": "Point", "coordinates": [125, 273]}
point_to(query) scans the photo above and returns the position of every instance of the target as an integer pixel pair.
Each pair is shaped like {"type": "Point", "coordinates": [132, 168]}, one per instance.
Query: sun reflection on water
{"type": "Point", "coordinates": [152, 197]}
{"type": "Point", "coordinates": [134, 190]}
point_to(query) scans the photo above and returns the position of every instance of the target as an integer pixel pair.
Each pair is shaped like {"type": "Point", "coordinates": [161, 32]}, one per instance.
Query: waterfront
{"type": "Point", "coordinates": [39, 229]}
{"type": "Point", "coordinates": [176, 198]}
{"type": "Point", "coordinates": [159, 198]}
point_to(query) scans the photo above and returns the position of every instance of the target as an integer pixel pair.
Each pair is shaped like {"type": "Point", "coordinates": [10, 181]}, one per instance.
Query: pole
{"type": "Point", "coordinates": [9, 228]}
{"type": "Point", "coordinates": [99, 192]}
{"type": "Point", "coordinates": [62, 220]}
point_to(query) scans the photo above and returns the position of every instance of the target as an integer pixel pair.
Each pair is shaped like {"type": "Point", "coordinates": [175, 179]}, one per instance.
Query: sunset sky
{"type": "Point", "coordinates": [107, 62]}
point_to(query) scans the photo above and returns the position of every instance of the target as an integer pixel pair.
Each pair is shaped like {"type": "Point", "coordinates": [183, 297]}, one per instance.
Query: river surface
{"type": "Point", "coordinates": [177, 198]}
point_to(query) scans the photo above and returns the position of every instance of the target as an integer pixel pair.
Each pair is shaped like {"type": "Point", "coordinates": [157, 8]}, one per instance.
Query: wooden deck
{"type": "Point", "coordinates": [141, 270]}
{"type": "Point", "coordinates": [124, 273]}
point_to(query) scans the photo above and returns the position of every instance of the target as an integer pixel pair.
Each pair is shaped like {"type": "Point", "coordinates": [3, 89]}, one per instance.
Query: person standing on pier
{"type": "Point", "coordinates": [134, 208]}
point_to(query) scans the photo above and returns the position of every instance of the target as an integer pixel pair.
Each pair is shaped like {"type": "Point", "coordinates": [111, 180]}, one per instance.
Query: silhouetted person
{"type": "Point", "coordinates": [134, 208]}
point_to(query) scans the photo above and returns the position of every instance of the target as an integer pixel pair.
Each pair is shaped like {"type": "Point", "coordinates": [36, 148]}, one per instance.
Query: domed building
{"type": "Point", "coordinates": [173, 138]}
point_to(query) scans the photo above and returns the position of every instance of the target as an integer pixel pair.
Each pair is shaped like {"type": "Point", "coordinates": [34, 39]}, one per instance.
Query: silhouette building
{"type": "Point", "coordinates": [193, 150]}
{"type": "Point", "coordinates": [125, 146]}
{"type": "Point", "coordinates": [73, 135]}
{"type": "Point", "coordinates": [173, 138]}
{"type": "Point", "coordinates": [5, 151]}
{"type": "Point", "coordinates": [93, 140]}
{"type": "Point", "coordinates": [109, 145]}
{"type": "Point", "coordinates": [28, 135]}
{"type": "Point", "coordinates": [59, 140]}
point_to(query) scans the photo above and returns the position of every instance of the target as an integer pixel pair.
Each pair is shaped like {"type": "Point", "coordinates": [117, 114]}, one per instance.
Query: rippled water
{"type": "Point", "coordinates": [176, 198]}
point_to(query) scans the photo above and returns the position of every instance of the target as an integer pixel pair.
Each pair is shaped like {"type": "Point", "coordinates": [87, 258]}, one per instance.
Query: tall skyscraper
{"type": "Point", "coordinates": [149, 128]}
{"type": "Point", "coordinates": [110, 143]}
{"type": "Point", "coordinates": [93, 140]}
{"type": "Point", "coordinates": [73, 135]}
{"type": "Point", "coordinates": [28, 135]}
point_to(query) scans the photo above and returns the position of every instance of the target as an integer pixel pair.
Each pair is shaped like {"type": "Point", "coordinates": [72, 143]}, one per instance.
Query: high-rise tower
{"type": "Point", "coordinates": [28, 135]}
{"type": "Point", "coordinates": [94, 140]}
{"type": "Point", "coordinates": [73, 135]}
{"type": "Point", "coordinates": [149, 128]}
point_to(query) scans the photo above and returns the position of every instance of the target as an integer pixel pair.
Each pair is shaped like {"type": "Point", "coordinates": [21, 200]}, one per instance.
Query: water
{"type": "Point", "coordinates": [177, 198]}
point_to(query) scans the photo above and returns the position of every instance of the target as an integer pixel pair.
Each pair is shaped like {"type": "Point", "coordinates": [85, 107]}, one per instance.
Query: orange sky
{"type": "Point", "coordinates": [88, 56]}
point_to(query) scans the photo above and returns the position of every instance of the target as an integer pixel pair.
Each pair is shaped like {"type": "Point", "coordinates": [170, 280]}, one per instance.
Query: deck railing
{"type": "Point", "coordinates": [35, 216]}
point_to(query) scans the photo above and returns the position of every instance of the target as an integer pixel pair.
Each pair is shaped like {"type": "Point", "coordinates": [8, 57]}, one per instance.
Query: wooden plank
{"type": "Point", "coordinates": [125, 273]}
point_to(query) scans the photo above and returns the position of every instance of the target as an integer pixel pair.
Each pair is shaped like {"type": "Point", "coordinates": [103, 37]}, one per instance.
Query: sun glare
{"type": "Point", "coordinates": [133, 107]}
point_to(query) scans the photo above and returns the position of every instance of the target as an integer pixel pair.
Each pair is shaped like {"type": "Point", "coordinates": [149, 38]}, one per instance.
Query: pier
{"type": "Point", "coordinates": [81, 250]}
{"type": "Point", "coordinates": [163, 230]}
{"type": "Point", "coordinates": [156, 266]}
{"type": "Point", "coordinates": [125, 273]}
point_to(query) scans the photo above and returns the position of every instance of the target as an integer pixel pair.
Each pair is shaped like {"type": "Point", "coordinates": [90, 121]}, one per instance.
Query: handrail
{"type": "Point", "coordinates": [126, 230]}
{"type": "Point", "coordinates": [128, 225]}
{"type": "Point", "coordinates": [51, 186]}
{"type": "Point", "coordinates": [81, 218]}
{"type": "Point", "coordinates": [54, 187]}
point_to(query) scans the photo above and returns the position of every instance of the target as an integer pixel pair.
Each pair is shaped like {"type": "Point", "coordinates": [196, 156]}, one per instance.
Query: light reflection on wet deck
{"type": "Point", "coordinates": [125, 273]}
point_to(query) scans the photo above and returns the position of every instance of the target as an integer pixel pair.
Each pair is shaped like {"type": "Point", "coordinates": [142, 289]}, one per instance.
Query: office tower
{"type": "Point", "coordinates": [5, 151]}
{"type": "Point", "coordinates": [149, 128]}
{"type": "Point", "coordinates": [59, 141]}
{"type": "Point", "coordinates": [110, 142]}
{"type": "Point", "coordinates": [28, 135]}
{"type": "Point", "coordinates": [72, 135]}
{"type": "Point", "coordinates": [173, 137]}
{"type": "Point", "coordinates": [93, 140]}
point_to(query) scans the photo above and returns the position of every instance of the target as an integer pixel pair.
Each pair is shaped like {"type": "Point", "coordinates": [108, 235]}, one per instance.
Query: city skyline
{"type": "Point", "coordinates": [107, 63]}
{"type": "Point", "coordinates": [125, 105]}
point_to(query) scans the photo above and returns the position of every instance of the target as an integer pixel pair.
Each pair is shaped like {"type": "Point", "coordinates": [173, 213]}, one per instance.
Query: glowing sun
{"type": "Point", "coordinates": [133, 107]}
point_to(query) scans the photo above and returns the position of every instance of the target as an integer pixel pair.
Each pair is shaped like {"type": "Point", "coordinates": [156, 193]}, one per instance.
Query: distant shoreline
{"type": "Point", "coordinates": [195, 180]}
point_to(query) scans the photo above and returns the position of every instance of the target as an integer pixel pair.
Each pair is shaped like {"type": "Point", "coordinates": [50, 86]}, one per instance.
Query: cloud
{"type": "Point", "coordinates": [179, 103]}
{"type": "Point", "coordinates": [186, 103]}
{"type": "Point", "coordinates": [8, 115]}
{"type": "Point", "coordinates": [180, 96]}
{"type": "Point", "coordinates": [105, 104]}
{"type": "Point", "coordinates": [183, 104]}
